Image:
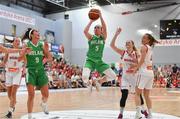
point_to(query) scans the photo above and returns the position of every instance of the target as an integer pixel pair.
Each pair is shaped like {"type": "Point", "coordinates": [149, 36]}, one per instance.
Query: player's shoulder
{"type": "Point", "coordinates": [144, 47]}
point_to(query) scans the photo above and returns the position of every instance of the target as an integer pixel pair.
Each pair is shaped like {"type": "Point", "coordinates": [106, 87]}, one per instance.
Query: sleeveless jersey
{"type": "Point", "coordinates": [12, 62]}
{"type": "Point", "coordinates": [129, 59]}
{"type": "Point", "coordinates": [35, 57]}
{"type": "Point", "coordinates": [146, 67]}
{"type": "Point", "coordinates": [96, 47]}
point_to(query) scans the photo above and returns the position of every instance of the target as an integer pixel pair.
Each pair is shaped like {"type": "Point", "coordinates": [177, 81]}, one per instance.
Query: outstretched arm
{"type": "Point", "coordinates": [86, 30]}
{"type": "Point", "coordinates": [104, 29]}
{"type": "Point", "coordinates": [113, 46]}
{"type": "Point", "coordinates": [47, 53]}
{"type": "Point", "coordinates": [9, 50]}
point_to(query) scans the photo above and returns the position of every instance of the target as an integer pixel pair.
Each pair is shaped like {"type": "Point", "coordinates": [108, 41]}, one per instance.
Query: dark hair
{"type": "Point", "coordinates": [27, 34]}
{"type": "Point", "coordinates": [134, 47]}
{"type": "Point", "coordinates": [152, 41]}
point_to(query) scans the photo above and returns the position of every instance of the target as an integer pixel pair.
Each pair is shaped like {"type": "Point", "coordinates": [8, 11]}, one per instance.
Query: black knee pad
{"type": "Point", "coordinates": [123, 97]}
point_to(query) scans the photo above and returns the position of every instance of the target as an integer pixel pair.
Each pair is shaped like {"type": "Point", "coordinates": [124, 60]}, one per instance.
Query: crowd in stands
{"type": "Point", "coordinates": [62, 75]}
{"type": "Point", "coordinates": [167, 76]}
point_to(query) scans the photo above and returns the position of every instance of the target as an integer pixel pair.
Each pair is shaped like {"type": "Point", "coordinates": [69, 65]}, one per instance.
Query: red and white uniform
{"type": "Point", "coordinates": [145, 73]}
{"type": "Point", "coordinates": [128, 77]}
{"type": "Point", "coordinates": [13, 69]}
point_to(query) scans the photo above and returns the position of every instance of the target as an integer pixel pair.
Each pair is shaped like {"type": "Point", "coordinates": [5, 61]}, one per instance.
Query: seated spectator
{"type": "Point", "coordinates": [62, 80]}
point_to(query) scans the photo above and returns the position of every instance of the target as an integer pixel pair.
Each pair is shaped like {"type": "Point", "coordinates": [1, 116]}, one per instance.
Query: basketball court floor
{"type": "Point", "coordinates": [81, 104]}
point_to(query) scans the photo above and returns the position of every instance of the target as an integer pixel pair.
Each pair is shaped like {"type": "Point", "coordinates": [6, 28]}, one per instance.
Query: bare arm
{"type": "Point", "coordinates": [23, 53]}
{"type": "Point", "coordinates": [5, 59]}
{"type": "Point", "coordinates": [104, 29]}
{"type": "Point", "coordinates": [86, 30]}
{"type": "Point", "coordinates": [9, 50]}
{"type": "Point", "coordinates": [113, 46]}
{"type": "Point", "coordinates": [47, 53]}
{"type": "Point", "coordinates": [143, 55]}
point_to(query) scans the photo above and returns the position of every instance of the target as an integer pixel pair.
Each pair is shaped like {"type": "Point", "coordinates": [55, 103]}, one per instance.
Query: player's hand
{"type": "Point", "coordinates": [135, 69]}
{"type": "Point", "coordinates": [100, 14]}
{"type": "Point", "coordinates": [27, 50]}
{"type": "Point", "coordinates": [118, 31]}
{"type": "Point", "coordinates": [92, 20]}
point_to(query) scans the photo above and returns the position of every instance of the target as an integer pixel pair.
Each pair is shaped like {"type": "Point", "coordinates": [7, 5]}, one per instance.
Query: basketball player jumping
{"type": "Point", "coordinates": [35, 74]}
{"type": "Point", "coordinates": [96, 44]}
{"type": "Point", "coordinates": [129, 58]}
{"type": "Point", "coordinates": [145, 75]}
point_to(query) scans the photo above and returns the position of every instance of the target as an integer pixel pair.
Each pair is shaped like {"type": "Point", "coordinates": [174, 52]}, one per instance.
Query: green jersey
{"type": "Point", "coordinates": [96, 47]}
{"type": "Point", "coordinates": [35, 58]}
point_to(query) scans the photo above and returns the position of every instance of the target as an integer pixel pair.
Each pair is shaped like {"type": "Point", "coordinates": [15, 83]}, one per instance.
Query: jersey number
{"type": "Point", "coordinates": [96, 48]}
{"type": "Point", "coordinates": [37, 59]}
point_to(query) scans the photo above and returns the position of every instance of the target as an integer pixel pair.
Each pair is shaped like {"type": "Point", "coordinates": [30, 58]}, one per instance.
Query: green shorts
{"type": "Point", "coordinates": [36, 77]}
{"type": "Point", "coordinates": [97, 64]}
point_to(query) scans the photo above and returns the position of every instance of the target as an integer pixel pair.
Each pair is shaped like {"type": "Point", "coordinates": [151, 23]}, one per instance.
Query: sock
{"type": "Point", "coordinates": [138, 110]}
{"type": "Point", "coordinates": [10, 109]}
{"type": "Point", "coordinates": [29, 115]}
{"type": "Point", "coordinates": [43, 103]}
{"type": "Point", "coordinates": [121, 110]}
{"type": "Point", "coordinates": [142, 108]}
{"type": "Point", "coordinates": [150, 111]}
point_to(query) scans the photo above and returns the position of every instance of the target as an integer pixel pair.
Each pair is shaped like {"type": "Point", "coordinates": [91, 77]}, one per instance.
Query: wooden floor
{"type": "Point", "coordinates": [108, 98]}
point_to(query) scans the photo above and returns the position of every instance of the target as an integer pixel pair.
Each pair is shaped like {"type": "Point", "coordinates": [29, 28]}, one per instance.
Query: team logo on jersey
{"type": "Point", "coordinates": [36, 53]}
{"type": "Point", "coordinates": [97, 42]}
{"type": "Point", "coordinates": [93, 114]}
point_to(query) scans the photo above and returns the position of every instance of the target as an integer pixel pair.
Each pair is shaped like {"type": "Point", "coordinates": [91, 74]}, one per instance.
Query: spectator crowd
{"type": "Point", "coordinates": [62, 75]}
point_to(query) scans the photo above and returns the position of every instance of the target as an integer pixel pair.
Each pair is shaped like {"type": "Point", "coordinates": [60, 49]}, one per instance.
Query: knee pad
{"type": "Point", "coordinates": [123, 97]}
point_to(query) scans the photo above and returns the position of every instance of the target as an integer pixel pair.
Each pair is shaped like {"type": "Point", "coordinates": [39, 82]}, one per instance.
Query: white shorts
{"type": "Point", "coordinates": [144, 81]}
{"type": "Point", "coordinates": [13, 78]}
{"type": "Point", "coordinates": [129, 82]}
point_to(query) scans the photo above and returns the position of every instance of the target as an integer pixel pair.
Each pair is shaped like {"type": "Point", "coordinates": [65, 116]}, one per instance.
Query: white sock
{"type": "Point", "coordinates": [138, 109]}
{"type": "Point", "coordinates": [43, 103]}
{"type": "Point", "coordinates": [10, 109]}
{"type": "Point", "coordinates": [150, 111]}
{"type": "Point", "coordinates": [142, 108]}
{"type": "Point", "coordinates": [121, 110]}
{"type": "Point", "coordinates": [29, 115]}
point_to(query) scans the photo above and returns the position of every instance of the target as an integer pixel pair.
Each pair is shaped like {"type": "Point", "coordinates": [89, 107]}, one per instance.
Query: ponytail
{"type": "Point", "coordinates": [134, 47]}
{"type": "Point", "coordinates": [152, 41]}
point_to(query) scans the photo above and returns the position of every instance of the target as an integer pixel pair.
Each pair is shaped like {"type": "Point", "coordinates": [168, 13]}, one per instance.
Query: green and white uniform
{"type": "Point", "coordinates": [36, 74]}
{"type": "Point", "coordinates": [95, 54]}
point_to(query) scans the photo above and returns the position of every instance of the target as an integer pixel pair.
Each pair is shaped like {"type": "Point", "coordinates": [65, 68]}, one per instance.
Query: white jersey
{"type": "Point", "coordinates": [128, 78]}
{"type": "Point", "coordinates": [146, 67]}
{"type": "Point", "coordinates": [129, 59]}
{"type": "Point", "coordinates": [13, 69]}
{"type": "Point", "coordinates": [13, 63]}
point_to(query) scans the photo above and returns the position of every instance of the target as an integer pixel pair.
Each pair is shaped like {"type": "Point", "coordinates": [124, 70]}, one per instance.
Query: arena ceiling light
{"type": "Point", "coordinates": [144, 31]}
{"type": "Point", "coordinates": [60, 3]}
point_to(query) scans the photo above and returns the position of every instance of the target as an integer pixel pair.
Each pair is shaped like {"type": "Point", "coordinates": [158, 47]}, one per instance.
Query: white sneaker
{"type": "Point", "coordinates": [138, 116]}
{"type": "Point", "coordinates": [30, 117]}
{"type": "Point", "coordinates": [149, 116]}
{"type": "Point", "coordinates": [97, 85]}
{"type": "Point", "coordinates": [45, 108]}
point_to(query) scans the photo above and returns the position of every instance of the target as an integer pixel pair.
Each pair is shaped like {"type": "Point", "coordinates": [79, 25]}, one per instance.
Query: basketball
{"type": "Point", "coordinates": [93, 14]}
